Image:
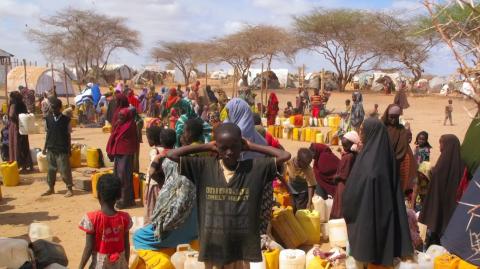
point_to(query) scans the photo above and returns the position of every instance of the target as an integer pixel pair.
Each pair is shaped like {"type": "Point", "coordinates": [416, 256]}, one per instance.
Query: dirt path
{"type": "Point", "coordinates": [23, 205]}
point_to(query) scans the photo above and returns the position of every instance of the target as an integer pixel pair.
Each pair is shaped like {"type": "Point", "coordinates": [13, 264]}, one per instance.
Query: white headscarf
{"type": "Point", "coordinates": [353, 137]}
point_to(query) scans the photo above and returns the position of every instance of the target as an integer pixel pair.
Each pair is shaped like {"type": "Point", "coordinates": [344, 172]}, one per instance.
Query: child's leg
{"type": "Point", "coordinates": [65, 169]}
{"type": "Point", "coordinates": [446, 118]}
{"type": "Point", "coordinates": [52, 169]}
{"type": "Point", "coordinates": [450, 118]}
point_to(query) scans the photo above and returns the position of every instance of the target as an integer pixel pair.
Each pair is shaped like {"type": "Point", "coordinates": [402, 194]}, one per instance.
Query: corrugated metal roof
{"type": "Point", "coordinates": [5, 54]}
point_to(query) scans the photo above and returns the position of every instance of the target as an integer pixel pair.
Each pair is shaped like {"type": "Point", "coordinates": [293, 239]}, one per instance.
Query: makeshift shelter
{"type": "Point", "coordinates": [394, 78]}
{"type": "Point", "coordinates": [268, 78]}
{"type": "Point", "coordinates": [436, 84]}
{"type": "Point", "coordinates": [5, 62]}
{"type": "Point", "coordinates": [122, 71]}
{"type": "Point", "coordinates": [220, 74]}
{"type": "Point", "coordinates": [313, 80]}
{"type": "Point", "coordinates": [178, 76]}
{"type": "Point", "coordinates": [40, 79]}
{"type": "Point", "coordinates": [280, 74]}
{"type": "Point", "coordinates": [147, 77]}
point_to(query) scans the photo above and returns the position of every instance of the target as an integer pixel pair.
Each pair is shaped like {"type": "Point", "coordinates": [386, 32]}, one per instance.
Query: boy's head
{"type": "Point", "coordinates": [56, 105]}
{"type": "Point", "coordinates": [289, 104]}
{"type": "Point", "coordinates": [193, 131]}
{"type": "Point", "coordinates": [347, 102]}
{"type": "Point", "coordinates": [257, 120]}
{"type": "Point", "coordinates": [450, 101]}
{"type": "Point", "coordinates": [168, 138]}
{"type": "Point", "coordinates": [304, 158]}
{"type": "Point", "coordinates": [422, 139]}
{"type": "Point", "coordinates": [228, 138]}
{"type": "Point", "coordinates": [109, 189]}
{"type": "Point", "coordinates": [375, 106]}
{"type": "Point", "coordinates": [153, 135]}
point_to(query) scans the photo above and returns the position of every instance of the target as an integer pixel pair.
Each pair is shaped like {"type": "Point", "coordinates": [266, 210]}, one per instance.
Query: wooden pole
{"type": "Point", "coordinates": [6, 87]}
{"type": "Point", "coordinates": [261, 93]}
{"type": "Point", "coordinates": [322, 81]}
{"type": "Point", "coordinates": [206, 75]}
{"type": "Point", "coordinates": [25, 72]}
{"type": "Point", "coordinates": [65, 82]}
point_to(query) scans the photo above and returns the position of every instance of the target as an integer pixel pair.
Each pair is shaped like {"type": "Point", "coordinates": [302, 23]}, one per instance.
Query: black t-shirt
{"type": "Point", "coordinates": [229, 213]}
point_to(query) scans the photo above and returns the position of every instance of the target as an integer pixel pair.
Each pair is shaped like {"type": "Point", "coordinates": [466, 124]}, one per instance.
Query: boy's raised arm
{"type": "Point", "coordinates": [175, 154]}
{"type": "Point", "coordinates": [281, 156]}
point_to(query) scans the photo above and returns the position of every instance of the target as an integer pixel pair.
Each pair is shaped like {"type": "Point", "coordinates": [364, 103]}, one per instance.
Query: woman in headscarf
{"type": "Point", "coordinates": [401, 97]}
{"type": "Point", "coordinates": [121, 101]}
{"type": "Point", "coordinates": [350, 144]}
{"type": "Point", "coordinates": [399, 137]}
{"type": "Point", "coordinates": [171, 99]}
{"type": "Point", "coordinates": [133, 99]}
{"type": "Point", "coordinates": [358, 114]}
{"type": "Point", "coordinates": [440, 200]}
{"type": "Point", "coordinates": [19, 146]}
{"type": "Point", "coordinates": [121, 147]}
{"type": "Point", "coordinates": [185, 109]}
{"type": "Point", "coordinates": [325, 165]}
{"type": "Point", "coordinates": [373, 204]}
{"type": "Point", "coordinates": [152, 109]}
{"type": "Point", "coordinates": [142, 99]}
{"type": "Point", "coordinates": [272, 108]}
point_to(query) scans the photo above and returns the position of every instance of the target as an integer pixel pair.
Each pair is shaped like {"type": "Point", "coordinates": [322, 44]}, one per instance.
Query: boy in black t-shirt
{"type": "Point", "coordinates": [229, 194]}
{"type": "Point", "coordinates": [57, 148]}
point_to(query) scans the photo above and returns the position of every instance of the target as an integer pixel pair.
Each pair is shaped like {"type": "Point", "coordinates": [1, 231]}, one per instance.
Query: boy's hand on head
{"type": "Point", "coordinates": [212, 146]}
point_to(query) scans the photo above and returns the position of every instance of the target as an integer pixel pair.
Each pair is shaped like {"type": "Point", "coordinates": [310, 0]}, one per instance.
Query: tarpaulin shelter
{"type": "Point", "coordinates": [40, 79]}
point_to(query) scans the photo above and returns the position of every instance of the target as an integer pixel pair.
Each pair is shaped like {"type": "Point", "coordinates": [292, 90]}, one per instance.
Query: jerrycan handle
{"type": "Point", "coordinates": [183, 247]}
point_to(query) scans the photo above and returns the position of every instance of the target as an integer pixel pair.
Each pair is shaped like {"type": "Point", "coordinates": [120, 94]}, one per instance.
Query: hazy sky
{"type": "Point", "coordinates": [177, 20]}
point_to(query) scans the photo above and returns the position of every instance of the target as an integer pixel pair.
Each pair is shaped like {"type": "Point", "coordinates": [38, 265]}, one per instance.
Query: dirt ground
{"type": "Point", "coordinates": [23, 205]}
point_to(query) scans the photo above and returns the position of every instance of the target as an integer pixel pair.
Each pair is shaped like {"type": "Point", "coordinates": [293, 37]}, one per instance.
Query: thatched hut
{"type": "Point", "coordinates": [40, 80]}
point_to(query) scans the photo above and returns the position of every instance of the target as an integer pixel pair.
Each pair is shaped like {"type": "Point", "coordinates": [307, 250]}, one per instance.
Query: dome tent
{"type": "Point", "coordinates": [40, 80]}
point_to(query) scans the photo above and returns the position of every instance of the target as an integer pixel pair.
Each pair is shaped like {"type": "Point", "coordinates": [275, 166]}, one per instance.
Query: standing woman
{"type": "Point", "coordinates": [272, 108]}
{"type": "Point", "coordinates": [440, 199]}
{"type": "Point", "coordinates": [358, 113]}
{"type": "Point", "coordinates": [19, 147]}
{"type": "Point", "coordinates": [373, 204]}
{"type": "Point", "coordinates": [122, 146]}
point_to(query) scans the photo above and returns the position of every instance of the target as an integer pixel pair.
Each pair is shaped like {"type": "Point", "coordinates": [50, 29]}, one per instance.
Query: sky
{"type": "Point", "coordinates": [192, 20]}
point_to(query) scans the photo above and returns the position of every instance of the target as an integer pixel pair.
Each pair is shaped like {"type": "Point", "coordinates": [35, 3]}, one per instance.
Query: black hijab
{"type": "Point", "coordinates": [440, 200]}
{"type": "Point", "coordinates": [373, 205]}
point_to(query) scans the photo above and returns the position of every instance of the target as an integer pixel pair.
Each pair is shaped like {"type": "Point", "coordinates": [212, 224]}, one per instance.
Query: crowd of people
{"type": "Point", "coordinates": [212, 165]}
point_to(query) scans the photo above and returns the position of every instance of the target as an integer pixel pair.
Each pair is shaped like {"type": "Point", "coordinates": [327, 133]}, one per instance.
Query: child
{"type": "Point", "coordinates": [288, 111]}
{"type": "Point", "coordinates": [317, 103]}
{"type": "Point", "coordinates": [192, 133]}
{"type": "Point", "coordinates": [374, 112]}
{"type": "Point", "coordinates": [57, 147]}
{"type": "Point", "coordinates": [448, 112]}
{"type": "Point", "coordinates": [417, 241]}
{"type": "Point", "coordinates": [107, 238]}
{"type": "Point", "coordinates": [229, 193]}
{"type": "Point", "coordinates": [164, 140]}
{"type": "Point", "coordinates": [420, 186]}
{"type": "Point", "coordinates": [301, 179]}
{"type": "Point", "coordinates": [5, 145]}
{"type": "Point", "coordinates": [422, 148]}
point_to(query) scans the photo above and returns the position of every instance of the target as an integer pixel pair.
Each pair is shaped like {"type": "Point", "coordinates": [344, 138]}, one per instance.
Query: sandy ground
{"type": "Point", "coordinates": [23, 205]}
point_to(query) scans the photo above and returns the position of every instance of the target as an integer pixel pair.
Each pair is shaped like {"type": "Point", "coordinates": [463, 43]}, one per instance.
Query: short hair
{"type": "Point", "coordinates": [450, 100]}
{"type": "Point", "coordinates": [168, 138]}
{"type": "Point", "coordinates": [347, 101]}
{"type": "Point", "coordinates": [229, 128]}
{"type": "Point", "coordinates": [304, 153]}
{"type": "Point", "coordinates": [153, 134]}
{"type": "Point", "coordinates": [195, 128]}
{"type": "Point", "coordinates": [109, 188]}
{"type": "Point", "coordinates": [55, 102]}
{"type": "Point", "coordinates": [257, 120]}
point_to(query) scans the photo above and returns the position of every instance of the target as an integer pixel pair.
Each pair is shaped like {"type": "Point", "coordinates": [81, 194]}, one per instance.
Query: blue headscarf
{"type": "Point", "coordinates": [239, 112]}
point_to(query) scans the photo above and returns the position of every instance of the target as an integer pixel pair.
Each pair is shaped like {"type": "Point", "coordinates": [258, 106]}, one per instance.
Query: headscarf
{"type": "Point", "coordinates": [133, 100]}
{"type": "Point", "coordinates": [440, 200]}
{"type": "Point", "coordinates": [172, 98]}
{"type": "Point", "coordinates": [119, 87]}
{"type": "Point", "coordinates": [272, 104]}
{"type": "Point", "coordinates": [373, 204]}
{"type": "Point", "coordinates": [121, 101]}
{"type": "Point", "coordinates": [188, 113]}
{"type": "Point", "coordinates": [142, 98]}
{"type": "Point", "coordinates": [397, 133]}
{"type": "Point", "coordinates": [353, 137]}
{"type": "Point", "coordinates": [325, 165]}
{"type": "Point", "coordinates": [358, 114]}
{"type": "Point", "coordinates": [239, 112]}
{"type": "Point", "coordinates": [123, 139]}
{"type": "Point", "coordinates": [471, 146]}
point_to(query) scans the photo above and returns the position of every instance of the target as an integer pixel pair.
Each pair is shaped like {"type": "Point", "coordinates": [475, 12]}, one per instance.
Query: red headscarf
{"type": "Point", "coordinates": [324, 166]}
{"type": "Point", "coordinates": [123, 139]}
{"type": "Point", "coordinates": [272, 104]}
{"type": "Point", "coordinates": [172, 98]}
{"type": "Point", "coordinates": [133, 100]}
{"type": "Point", "coordinates": [121, 101]}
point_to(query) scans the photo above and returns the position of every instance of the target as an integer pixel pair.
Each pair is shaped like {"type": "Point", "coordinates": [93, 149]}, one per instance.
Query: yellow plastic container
{"type": "Point", "coordinates": [292, 120]}
{"type": "Point", "coordinates": [465, 265]}
{"type": "Point", "coordinates": [107, 128]}
{"type": "Point", "coordinates": [310, 222]}
{"type": "Point", "coordinates": [302, 134]}
{"type": "Point", "coordinates": [333, 137]}
{"type": "Point", "coordinates": [334, 121]}
{"type": "Point", "coordinates": [74, 122]}
{"type": "Point", "coordinates": [4, 108]}
{"type": "Point", "coordinates": [446, 261]}
{"type": "Point", "coordinates": [10, 174]}
{"type": "Point", "coordinates": [155, 259]}
{"type": "Point", "coordinates": [313, 135]}
{"type": "Point", "coordinates": [319, 138]}
{"type": "Point", "coordinates": [318, 263]}
{"type": "Point", "coordinates": [308, 133]}
{"type": "Point", "coordinates": [306, 121]}
{"type": "Point", "coordinates": [76, 158]}
{"type": "Point", "coordinates": [287, 229]}
{"type": "Point", "coordinates": [271, 258]}
{"type": "Point", "coordinates": [283, 198]}
{"type": "Point", "coordinates": [296, 134]}
{"type": "Point", "coordinates": [92, 158]}
{"type": "Point", "coordinates": [95, 177]}
{"type": "Point", "coordinates": [271, 129]}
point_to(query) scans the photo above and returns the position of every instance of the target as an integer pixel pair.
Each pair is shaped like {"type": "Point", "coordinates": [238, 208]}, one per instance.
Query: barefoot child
{"type": "Point", "coordinates": [422, 148]}
{"type": "Point", "coordinates": [107, 238]}
{"type": "Point", "coordinates": [448, 112]}
{"type": "Point", "coordinates": [57, 148]}
{"type": "Point", "coordinates": [301, 179]}
{"type": "Point", "coordinates": [229, 194]}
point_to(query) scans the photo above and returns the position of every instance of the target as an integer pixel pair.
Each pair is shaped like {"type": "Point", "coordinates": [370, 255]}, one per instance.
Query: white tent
{"type": "Point", "coordinates": [281, 73]}
{"type": "Point", "coordinates": [219, 74]}
{"type": "Point", "coordinates": [396, 77]}
{"type": "Point", "coordinates": [123, 72]}
{"type": "Point", "coordinates": [40, 80]}
{"type": "Point", "coordinates": [178, 76]}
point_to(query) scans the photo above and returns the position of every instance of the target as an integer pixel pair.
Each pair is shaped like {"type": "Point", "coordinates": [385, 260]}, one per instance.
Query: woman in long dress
{"type": "Point", "coordinates": [373, 203]}
{"type": "Point", "coordinates": [19, 147]}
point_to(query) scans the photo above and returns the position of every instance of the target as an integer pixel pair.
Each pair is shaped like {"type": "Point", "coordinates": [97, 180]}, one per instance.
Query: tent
{"type": "Point", "coordinates": [122, 71]}
{"type": "Point", "coordinates": [40, 80]}
{"type": "Point", "coordinates": [220, 74]}
{"type": "Point", "coordinates": [178, 76]}
{"type": "Point", "coordinates": [377, 78]}
{"type": "Point", "coordinates": [281, 75]}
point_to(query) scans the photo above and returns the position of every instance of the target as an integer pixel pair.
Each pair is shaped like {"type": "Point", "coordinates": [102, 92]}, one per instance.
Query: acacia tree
{"type": "Point", "coordinates": [276, 42]}
{"type": "Point", "coordinates": [401, 42]}
{"type": "Point", "coordinates": [84, 38]}
{"type": "Point", "coordinates": [346, 38]}
{"type": "Point", "coordinates": [183, 55]}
